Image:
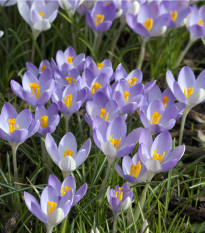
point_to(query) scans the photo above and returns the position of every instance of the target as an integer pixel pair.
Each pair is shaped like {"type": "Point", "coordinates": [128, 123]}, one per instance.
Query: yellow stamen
{"type": "Point", "coordinates": [70, 60]}
{"type": "Point", "coordinates": [155, 118]}
{"type": "Point", "coordinates": [35, 90]}
{"type": "Point", "coordinates": [69, 79]}
{"type": "Point", "coordinates": [51, 206]}
{"type": "Point", "coordinates": [68, 100]}
{"type": "Point", "coordinates": [165, 100]}
{"type": "Point", "coordinates": [44, 121]}
{"type": "Point", "coordinates": [95, 87]}
{"type": "Point", "coordinates": [12, 123]}
{"type": "Point", "coordinates": [173, 15]}
{"type": "Point", "coordinates": [42, 14]}
{"type": "Point", "coordinates": [126, 95]}
{"type": "Point", "coordinates": [68, 153]}
{"type": "Point", "coordinates": [135, 169]}
{"type": "Point", "coordinates": [43, 68]}
{"type": "Point", "coordinates": [132, 81]}
{"type": "Point", "coordinates": [119, 194]}
{"type": "Point", "coordinates": [107, 3]}
{"type": "Point", "coordinates": [148, 24]}
{"type": "Point", "coordinates": [188, 92]}
{"type": "Point", "coordinates": [100, 65]}
{"type": "Point", "coordinates": [66, 190]}
{"type": "Point", "coordinates": [99, 19]}
{"type": "Point", "coordinates": [200, 22]}
{"type": "Point", "coordinates": [158, 156]}
{"type": "Point", "coordinates": [102, 114]}
{"type": "Point", "coordinates": [115, 142]}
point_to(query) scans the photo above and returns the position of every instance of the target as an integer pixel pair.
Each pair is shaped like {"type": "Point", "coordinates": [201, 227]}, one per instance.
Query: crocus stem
{"type": "Point", "coordinates": [110, 162]}
{"type": "Point", "coordinates": [67, 118]}
{"type": "Point", "coordinates": [33, 52]}
{"type": "Point", "coordinates": [186, 111]}
{"type": "Point", "coordinates": [49, 229]}
{"type": "Point", "coordinates": [65, 174]}
{"type": "Point", "coordinates": [141, 202]}
{"type": "Point", "coordinates": [142, 53]}
{"type": "Point", "coordinates": [79, 122]}
{"type": "Point", "coordinates": [95, 43]}
{"type": "Point", "coordinates": [14, 148]}
{"type": "Point", "coordinates": [115, 224]}
{"type": "Point", "coordinates": [183, 53]}
{"type": "Point", "coordinates": [45, 156]}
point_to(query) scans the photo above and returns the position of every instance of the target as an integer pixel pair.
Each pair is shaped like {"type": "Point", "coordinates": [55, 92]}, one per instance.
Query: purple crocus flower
{"type": "Point", "coordinates": [35, 91]}
{"type": "Point", "coordinates": [126, 6]}
{"type": "Point", "coordinates": [149, 20]}
{"type": "Point", "coordinates": [70, 57]}
{"type": "Point", "coordinates": [39, 14]}
{"type": "Point", "coordinates": [111, 138]}
{"type": "Point", "coordinates": [68, 184]}
{"type": "Point", "coordinates": [120, 196]}
{"type": "Point", "coordinates": [187, 90]}
{"type": "Point", "coordinates": [16, 128]}
{"type": "Point", "coordinates": [102, 106]}
{"type": "Point", "coordinates": [101, 16]}
{"type": "Point", "coordinates": [157, 155]}
{"type": "Point", "coordinates": [133, 170]}
{"type": "Point", "coordinates": [7, 2]}
{"type": "Point", "coordinates": [70, 99]}
{"type": "Point", "coordinates": [51, 210]}
{"type": "Point", "coordinates": [196, 22]}
{"type": "Point", "coordinates": [65, 156]}
{"type": "Point", "coordinates": [37, 71]}
{"type": "Point", "coordinates": [48, 118]}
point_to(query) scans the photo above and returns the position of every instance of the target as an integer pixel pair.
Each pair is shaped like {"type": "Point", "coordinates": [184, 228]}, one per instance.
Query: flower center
{"type": "Point", "coordinates": [42, 14]}
{"type": "Point", "coordinates": [100, 65]}
{"type": "Point", "coordinates": [99, 19]}
{"type": "Point", "coordinates": [165, 100]}
{"type": "Point", "coordinates": [69, 79]}
{"type": "Point", "coordinates": [155, 118]}
{"type": "Point", "coordinates": [173, 15]}
{"type": "Point", "coordinates": [43, 68]}
{"type": "Point", "coordinates": [95, 87]}
{"type": "Point", "coordinates": [115, 142]}
{"type": "Point", "coordinates": [132, 81]}
{"type": "Point", "coordinates": [68, 100]}
{"type": "Point", "coordinates": [148, 24]}
{"type": "Point", "coordinates": [51, 206]}
{"type": "Point", "coordinates": [44, 121]}
{"type": "Point", "coordinates": [119, 194]}
{"type": "Point", "coordinates": [66, 190]}
{"type": "Point", "coordinates": [158, 156]}
{"type": "Point", "coordinates": [104, 114]}
{"type": "Point", "coordinates": [200, 22]}
{"type": "Point", "coordinates": [68, 153]}
{"type": "Point", "coordinates": [70, 60]}
{"type": "Point", "coordinates": [107, 3]}
{"type": "Point", "coordinates": [126, 95]}
{"type": "Point", "coordinates": [188, 92]}
{"type": "Point", "coordinates": [12, 123]}
{"type": "Point", "coordinates": [135, 169]}
{"type": "Point", "coordinates": [35, 90]}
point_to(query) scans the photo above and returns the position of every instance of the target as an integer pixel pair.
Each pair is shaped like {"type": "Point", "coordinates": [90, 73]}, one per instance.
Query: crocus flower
{"type": "Point", "coordinates": [157, 118]}
{"type": "Point", "coordinates": [101, 16]}
{"type": "Point", "coordinates": [157, 155]}
{"type": "Point", "coordinates": [1, 33]}
{"type": "Point", "coordinates": [145, 227]}
{"type": "Point", "coordinates": [111, 138]}
{"type": "Point", "coordinates": [133, 170]}
{"type": "Point", "coordinates": [70, 57]}
{"type": "Point", "coordinates": [68, 184]}
{"type": "Point", "coordinates": [70, 5]}
{"type": "Point", "coordinates": [65, 156]}
{"type": "Point", "coordinates": [48, 118]}
{"type": "Point", "coordinates": [120, 196]}
{"type": "Point", "coordinates": [126, 6]}
{"type": "Point", "coordinates": [39, 14]}
{"type": "Point", "coordinates": [102, 106]}
{"type": "Point", "coordinates": [7, 2]}
{"type": "Point", "coordinates": [149, 20]}
{"type": "Point", "coordinates": [196, 22]}
{"type": "Point", "coordinates": [187, 90]}
{"type": "Point", "coordinates": [70, 99]}
{"type": "Point", "coordinates": [16, 128]}
{"type": "Point", "coordinates": [35, 91]}
{"type": "Point", "coordinates": [38, 70]}
{"type": "Point", "coordinates": [51, 209]}
{"type": "Point", "coordinates": [96, 230]}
